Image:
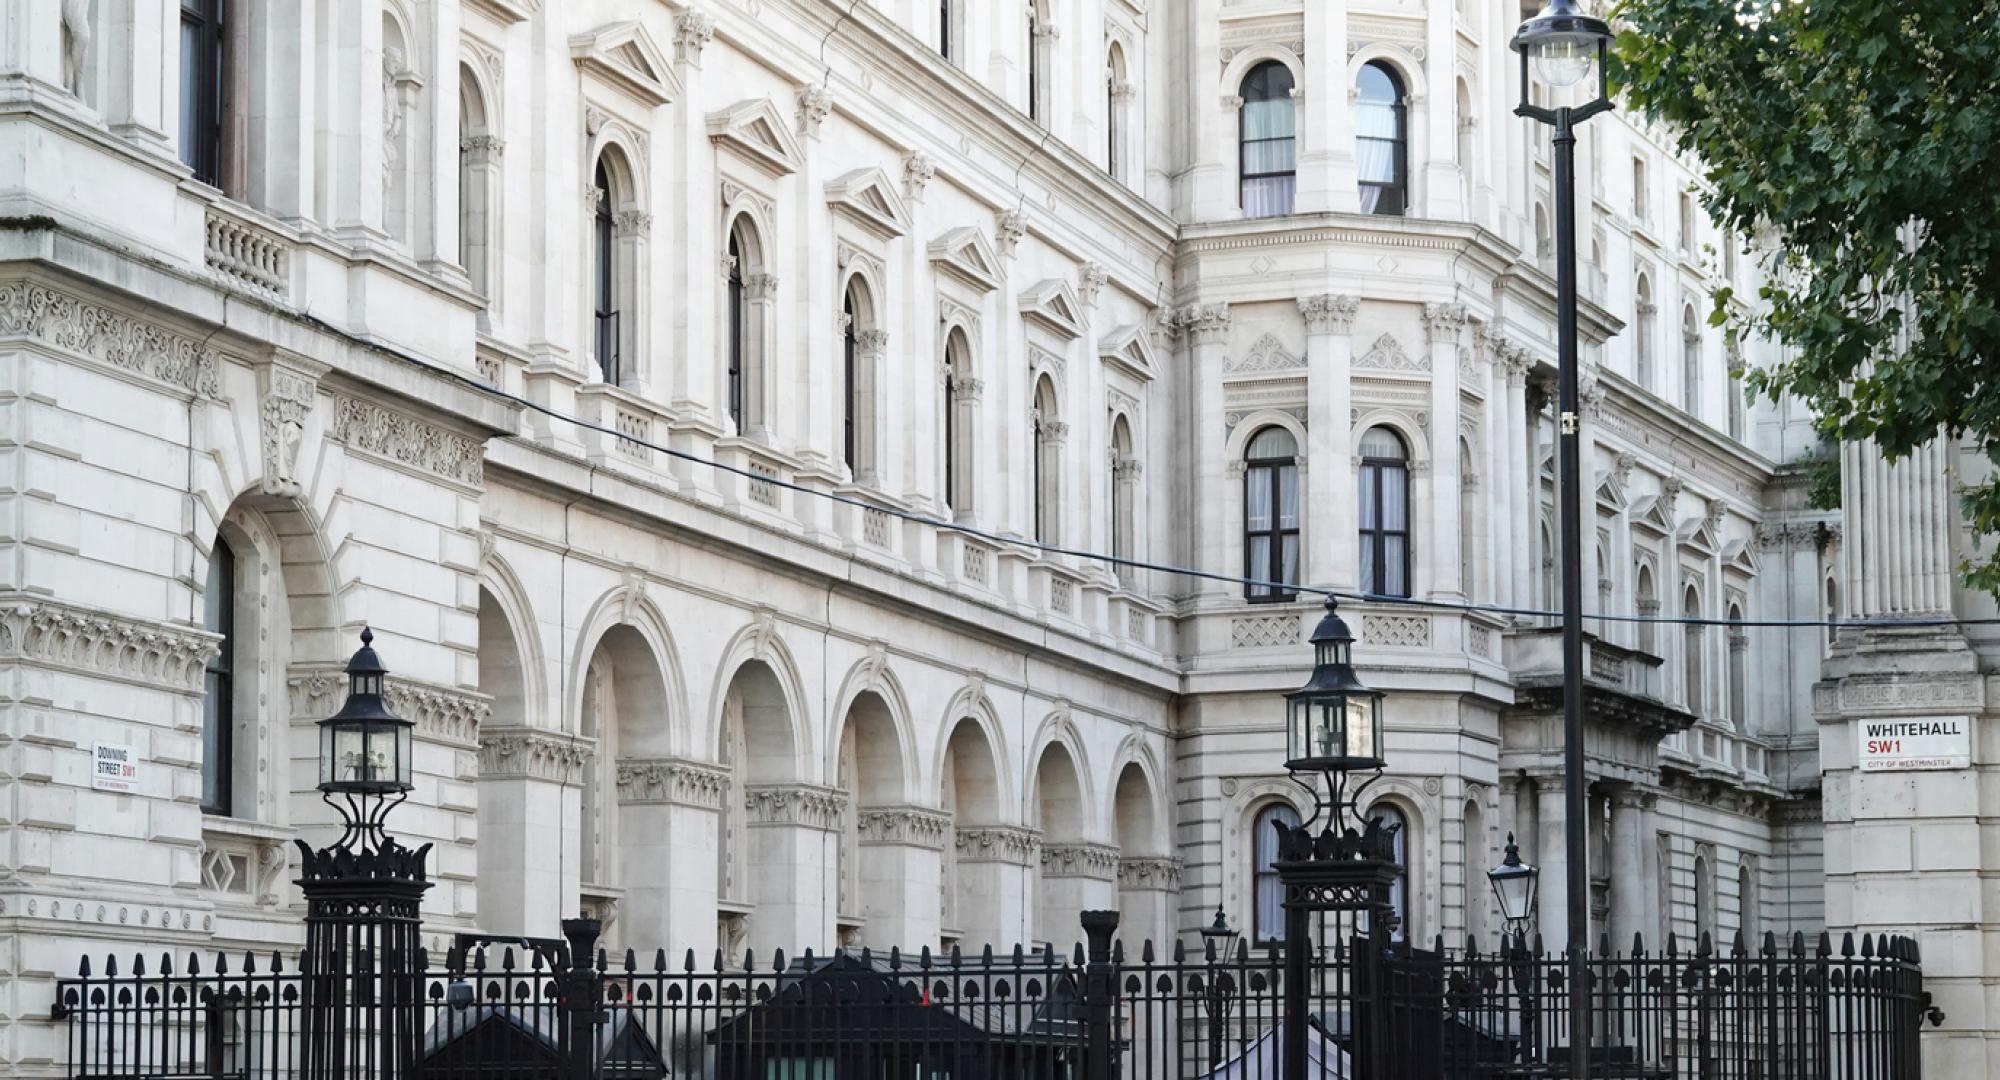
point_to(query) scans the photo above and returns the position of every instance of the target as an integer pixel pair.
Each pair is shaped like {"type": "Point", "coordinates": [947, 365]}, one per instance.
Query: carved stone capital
{"type": "Point", "coordinates": [815, 105]}
{"type": "Point", "coordinates": [1013, 227]}
{"type": "Point", "coordinates": [482, 146]}
{"type": "Point", "coordinates": [692, 33]}
{"type": "Point", "coordinates": [632, 222]}
{"type": "Point", "coordinates": [997, 843]}
{"type": "Point", "coordinates": [1160, 873]}
{"type": "Point", "coordinates": [1204, 324]}
{"type": "Point", "coordinates": [1329, 313]}
{"type": "Point", "coordinates": [1444, 322]}
{"type": "Point", "coordinates": [910, 826]}
{"type": "Point", "coordinates": [872, 342]}
{"type": "Point", "coordinates": [1096, 861]}
{"type": "Point", "coordinates": [918, 170]}
{"type": "Point", "coordinates": [806, 806]}
{"type": "Point", "coordinates": [671, 782]}
{"type": "Point", "coordinates": [760, 286]}
{"type": "Point", "coordinates": [533, 754]}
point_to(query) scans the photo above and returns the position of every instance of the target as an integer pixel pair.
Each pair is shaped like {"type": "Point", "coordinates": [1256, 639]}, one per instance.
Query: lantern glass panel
{"type": "Point", "coordinates": [403, 754]}
{"type": "Point", "coordinates": [1361, 720]}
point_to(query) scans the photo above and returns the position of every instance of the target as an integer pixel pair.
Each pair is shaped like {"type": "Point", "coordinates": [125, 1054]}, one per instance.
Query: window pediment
{"type": "Point", "coordinates": [1128, 349]}
{"type": "Point", "coordinates": [1053, 306]}
{"type": "Point", "coordinates": [1699, 535]}
{"type": "Point", "coordinates": [1651, 513]}
{"type": "Point", "coordinates": [623, 55]}
{"type": "Point", "coordinates": [1739, 557]}
{"type": "Point", "coordinates": [967, 256]}
{"type": "Point", "coordinates": [757, 132]}
{"type": "Point", "coordinates": [867, 198]}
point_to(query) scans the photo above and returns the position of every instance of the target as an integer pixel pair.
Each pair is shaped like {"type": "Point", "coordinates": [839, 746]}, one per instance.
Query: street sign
{"type": "Point", "coordinates": [1911, 743]}
{"type": "Point", "coordinates": [114, 767]}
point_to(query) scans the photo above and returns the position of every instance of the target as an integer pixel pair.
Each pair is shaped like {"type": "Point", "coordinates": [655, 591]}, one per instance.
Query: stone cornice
{"type": "Point", "coordinates": [805, 805]}
{"type": "Point", "coordinates": [671, 782]}
{"type": "Point", "coordinates": [1160, 872]}
{"type": "Point", "coordinates": [37, 312]}
{"type": "Point", "coordinates": [50, 633]}
{"type": "Point", "coordinates": [533, 754]}
{"type": "Point", "coordinates": [1097, 861]}
{"type": "Point", "coordinates": [912, 826]}
{"type": "Point", "coordinates": [442, 714]}
{"type": "Point", "coordinates": [997, 843]}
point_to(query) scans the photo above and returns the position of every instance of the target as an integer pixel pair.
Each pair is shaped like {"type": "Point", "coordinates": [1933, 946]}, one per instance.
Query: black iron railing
{"type": "Point", "coordinates": [1782, 1011]}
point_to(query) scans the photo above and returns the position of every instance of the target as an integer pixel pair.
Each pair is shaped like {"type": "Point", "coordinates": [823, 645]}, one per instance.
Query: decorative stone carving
{"type": "Point", "coordinates": [760, 286]}
{"type": "Point", "coordinates": [1387, 355]}
{"type": "Point", "coordinates": [872, 342]}
{"type": "Point", "coordinates": [1329, 313]}
{"type": "Point", "coordinates": [1090, 281]}
{"type": "Point", "coordinates": [107, 337]}
{"type": "Point", "coordinates": [441, 714]}
{"type": "Point", "coordinates": [997, 843]}
{"type": "Point", "coordinates": [1444, 322]}
{"type": "Point", "coordinates": [49, 632]}
{"type": "Point", "coordinates": [288, 388]}
{"type": "Point", "coordinates": [76, 44]}
{"type": "Point", "coordinates": [1149, 872]}
{"type": "Point", "coordinates": [533, 754]}
{"type": "Point", "coordinates": [1268, 354]}
{"type": "Point", "coordinates": [918, 170]}
{"type": "Point", "coordinates": [692, 33]}
{"type": "Point", "coordinates": [1202, 323]}
{"type": "Point", "coordinates": [671, 781]}
{"type": "Point", "coordinates": [632, 222]}
{"type": "Point", "coordinates": [815, 105]}
{"type": "Point", "coordinates": [914, 826]}
{"type": "Point", "coordinates": [1096, 861]}
{"type": "Point", "coordinates": [406, 440]}
{"type": "Point", "coordinates": [806, 805]}
{"type": "Point", "coordinates": [1013, 227]}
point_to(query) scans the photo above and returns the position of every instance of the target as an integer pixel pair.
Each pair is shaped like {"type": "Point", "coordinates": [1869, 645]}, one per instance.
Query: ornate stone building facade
{"type": "Point", "coordinates": [616, 363]}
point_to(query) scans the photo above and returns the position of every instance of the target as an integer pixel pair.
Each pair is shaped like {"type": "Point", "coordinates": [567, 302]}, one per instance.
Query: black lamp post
{"type": "Point", "coordinates": [360, 1006]}
{"type": "Point", "coordinates": [1514, 885]}
{"type": "Point", "coordinates": [1331, 862]}
{"type": "Point", "coordinates": [1218, 935]}
{"type": "Point", "coordinates": [1562, 44]}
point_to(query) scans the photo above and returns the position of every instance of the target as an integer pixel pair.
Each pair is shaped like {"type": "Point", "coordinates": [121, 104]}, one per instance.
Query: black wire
{"type": "Point", "coordinates": [1916, 623]}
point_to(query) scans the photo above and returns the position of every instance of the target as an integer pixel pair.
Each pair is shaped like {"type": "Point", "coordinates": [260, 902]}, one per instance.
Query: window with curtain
{"type": "Point", "coordinates": [1380, 141]}
{"type": "Point", "coordinates": [218, 719]}
{"type": "Point", "coordinates": [1690, 361]}
{"type": "Point", "coordinates": [203, 69]}
{"type": "Point", "coordinates": [602, 259]}
{"type": "Point", "coordinates": [1268, 157]}
{"type": "Point", "coordinates": [1691, 648]}
{"type": "Point", "coordinates": [1385, 513]}
{"type": "Point", "coordinates": [1271, 515]}
{"type": "Point", "coordinates": [734, 361]}
{"type": "Point", "coordinates": [1392, 818]}
{"type": "Point", "coordinates": [1268, 919]}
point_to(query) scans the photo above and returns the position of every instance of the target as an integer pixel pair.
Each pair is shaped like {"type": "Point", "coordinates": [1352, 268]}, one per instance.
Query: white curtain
{"type": "Point", "coordinates": [1270, 912]}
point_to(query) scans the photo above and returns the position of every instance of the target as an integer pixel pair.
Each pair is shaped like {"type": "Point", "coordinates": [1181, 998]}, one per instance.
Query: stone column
{"type": "Point", "coordinates": [809, 348]}
{"type": "Point", "coordinates": [1326, 176]}
{"type": "Point", "coordinates": [1147, 886]}
{"type": "Point", "coordinates": [1628, 866]}
{"type": "Point", "coordinates": [902, 869]}
{"type": "Point", "coordinates": [793, 863]}
{"type": "Point", "coordinates": [995, 868]}
{"type": "Point", "coordinates": [1076, 878]}
{"type": "Point", "coordinates": [1329, 539]}
{"type": "Point", "coordinates": [920, 366]}
{"type": "Point", "coordinates": [1590, 402]}
{"type": "Point", "coordinates": [529, 787]}
{"type": "Point", "coordinates": [1516, 587]}
{"type": "Point", "coordinates": [1205, 327]}
{"type": "Point", "coordinates": [1442, 195]}
{"type": "Point", "coordinates": [691, 277]}
{"type": "Point", "coordinates": [871, 349]}
{"type": "Point", "coordinates": [1445, 324]}
{"type": "Point", "coordinates": [668, 810]}
{"type": "Point", "coordinates": [1551, 849]}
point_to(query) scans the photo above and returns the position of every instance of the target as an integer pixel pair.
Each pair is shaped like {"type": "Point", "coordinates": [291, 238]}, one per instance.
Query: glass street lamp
{"type": "Point", "coordinates": [1514, 885]}
{"type": "Point", "coordinates": [1563, 43]}
{"type": "Point", "coordinates": [364, 749]}
{"type": "Point", "coordinates": [1218, 995]}
{"type": "Point", "coordinates": [1333, 722]}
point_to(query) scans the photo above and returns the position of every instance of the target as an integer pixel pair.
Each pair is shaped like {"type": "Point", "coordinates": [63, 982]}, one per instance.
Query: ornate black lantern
{"type": "Point", "coordinates": [1514, 885]}
{"type": "Point", "coordinates": [1333, 722]}
{"type": "Point", "coordinates": [364, 749]}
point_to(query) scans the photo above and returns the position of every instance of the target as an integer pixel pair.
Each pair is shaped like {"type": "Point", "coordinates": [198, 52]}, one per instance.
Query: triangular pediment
{"type": "Point", "coordinates": [1699, 534]}
{"type": "Point", "coordinates": [1611, 493]}
{"type": "Point", "coordinates": [1388, 354]}
{"type": "Point", "coordinates": [623, 55]}
{"type": "Point", "coordinates": [1741, 557]}
{"type": "Point", "coordinates": [965, 254]}
{"type": "Point", "coordinates": [866, 198]}
{"type": "Point", "coordinates": [1650, 513]}
{"type": "Point", "coordinates": [1266, 355]}
{"type": "Point", "coordinates": [757, 132]}
{"type": "Point", "coordinates": [1053, 306]}
{"type": "Point", "coordinates": [1129, 348]}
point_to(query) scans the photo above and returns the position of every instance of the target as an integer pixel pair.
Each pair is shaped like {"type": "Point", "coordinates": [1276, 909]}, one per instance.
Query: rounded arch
{"type": "Point", "coordinates": [1243, 63]}
{"type": "Point", "coordinates": [1137, 825]}
{"type": "Point", "coordinates": [1047, 399]}
{"type": "Point", "coordinates": [1135, 757]}
{"type": "Point", "coordinates": [1114, 60]}
{"type": "Point", "coordinates": [870, 679]}
{"type": "Point", "coordinates": [758, 658]}
{"type": "Point", "coordinates": [1063, 811]}
{"type": "Point", "coordinates": [1418, 848]}
{"type": "Point", "coordinates": [745, 227]}
{"type": "Point", "coordinates": [1415, 443]}
{"type": "Point", "coordinates": [959, 336]}
{"type": "Point", "coordinates": [860, 285]}
{"type": "Point", "coordinates": [1396, 62]}
{"type": "Point", "coordinates": [1121, 434]}
{"type": "Point", "coordinates": [477, 105]}
{"type": "Point", "coordinates": [970, 733]}
{"type": "Point", "coordinates": [1238, 443]}
{"type": "Point", "coordinates": [614, 149]}
{"type": "Point", "coordinates": [507, 618]}
{"type": "Point", "coordinates": [306, 567]}
{"type": "Point", "coordinates": [629, 607]}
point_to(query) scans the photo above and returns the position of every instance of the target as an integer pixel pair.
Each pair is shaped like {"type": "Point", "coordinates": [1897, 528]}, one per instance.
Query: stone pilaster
{"type": "Point", "coordinates": [1329, 556]}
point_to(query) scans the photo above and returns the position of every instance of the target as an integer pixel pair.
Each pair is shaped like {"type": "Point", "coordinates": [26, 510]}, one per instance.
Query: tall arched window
{"type": "Point", "coordinates": [1739, 649]}
{"type": "Point", "coordinates": [734, 360]}
{"type": "Point", "coordinates": [1385, 513]}
{"type": "Point", "coordinates": [1746, 896]}
{"type": "Point", "coordinates": [218, 713]}
{"type": "Point", "coordinates": [1271, 515]}
{"type": "Point", "coordinates": [1642, 340]}
{"type": "Point", "coordinates": [849, 388]}
{"type": "Point", "coordinates": [1647, 601]}
{"type": "Point", "coordinates": [1268, 917]}
{"type": "Point", "coordinates": [948, 30]}
{"type": "Point", "coordinates": [1832, 609]}
{"type": "Point", "coordinates": [1041, 33]}
{"type": "Point", "coordinates": [751, 292]}
{"type": "Point", "coordinates": [1117, 96]}
{"type": "Point", "coordinates": [478, 175]}
{"type": "Point", "coordinates": [1268, 153]}
{"type": "Point", "coordinates": [1380, 141]}
{"type": "Point", "coordinates": [1124, 478]}
{"type": "Point", "coordinates": [1048, 440]}
{"type": "Point", "coordinates": [1690, 361]}
{"type": "Point", "coordinates": [604, 273]}
{"type": "Point", "coordinates": [1692, 638]}
{"type": "Point", "coordinates": [203, 71]}
{"type": "Point", "coordinates": [961, 398]}
{"type": "Point", "coordinates": [1392, 818]}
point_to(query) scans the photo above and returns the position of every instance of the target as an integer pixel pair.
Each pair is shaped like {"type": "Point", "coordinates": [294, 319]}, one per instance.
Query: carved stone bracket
{"type": "Point", "coordinates": [998, 843]}
{"type": "Point", "coordinates": [48, 632]}
{"type": "Point", "coordinates": [913, 826]}
{"type": "Point", "coordinates": [533, 754]}
{"type": "Point", "coordinates": [671, 781]}
{"type": "Point", "coordinates": [805, 805]}
{"type": "Point", "coordinates": [815, 105]}
{"type": "Point", "coordinates": [287, 387]}
{"type": "Point", "coordinates": [918, 170]}
{"type": "Point", "coordinates": [1013, 227]}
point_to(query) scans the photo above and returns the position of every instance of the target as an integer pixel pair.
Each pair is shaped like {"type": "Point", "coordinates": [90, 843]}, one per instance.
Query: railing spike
{"type": "Point", "coordinates": [718, 959]}
{"type": "Point", "coordinates": [83, 967]}
{"type": "Point", "coordinates": [1868, 946]}
{"type": "Point", "coordinates": [1847, 944]}
{"type": "Point", "coordinates": [1825, 945]}
{"type": "Point", "coordinates": [1737, 947]}
{"type": "Point", "coordinates": [138, 965]}
{"type": "Point", "coordinates": [1704, 945]}
{"type": "Point", "coordinates": [1146, 953]}
{"type": "Point", "coordinates": [1798, 943]}
{"type": "Point", "coordinates": [1603, 943]}
{"type": "Point", "coordinates": [1638, 945]}
{"type": "Point", "coordinates": [1673, 946]}
{"type": "Point", "coordinates": [1471, 944]}
{"type": "Point", "coordinates": [749, 959]}
{"type": "Point", "coordinates": [895, 958]}
{"type": "Point", "coordinates": [1770, 944]}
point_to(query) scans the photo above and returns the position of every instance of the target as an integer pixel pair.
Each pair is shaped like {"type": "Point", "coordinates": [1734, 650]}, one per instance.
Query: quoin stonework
{"type": "Point", "coordinates": [536, 335]}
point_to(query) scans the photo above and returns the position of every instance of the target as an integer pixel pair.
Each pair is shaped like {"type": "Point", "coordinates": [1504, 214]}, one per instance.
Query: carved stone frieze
{"type": "Point", "coordinates": [1388, 354]}
{"type": "Point", "coordinates": [375, 429]}
{"type": "Point", "coordinates": [533, 754]}
{"type": "Point", "coordinates": [1149, 872]}
{"type": "Point", "coordinates": [671, 781]}
{"type": "Point", "coordinates": [1097, 861]}
{"type": "Point", "coordinates": [914, 826]}
{"type": "Point", "coordinates": [108, 337]}
{"type": "Point", "coordinates": [441, 714]}
{"type": "Point", "coordinates": [805, 805]}
{"type": "Point", "coordinates": [48, 632]}
{"type": "Point", "coordinates": [997, 843]}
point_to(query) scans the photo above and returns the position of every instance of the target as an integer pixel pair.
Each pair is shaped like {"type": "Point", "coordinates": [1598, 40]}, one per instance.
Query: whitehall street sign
{"type": "Point", "coordinates": [113, 767]}
{"type": "Point", "coordinates": [1910, 743]}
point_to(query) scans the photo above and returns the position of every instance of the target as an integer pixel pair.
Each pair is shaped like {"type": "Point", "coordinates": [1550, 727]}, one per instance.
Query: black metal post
{"type": "Point", "coordinates": [580, 998]}
{"type": "Point", "coordinates": [1576, 871]}
{"type": "Point", "coordinates": [1100, 988]}
{"type": "Point", "coordinates": [360, 1008]}
{"type": "Point", "coordinates": [1298, 988]}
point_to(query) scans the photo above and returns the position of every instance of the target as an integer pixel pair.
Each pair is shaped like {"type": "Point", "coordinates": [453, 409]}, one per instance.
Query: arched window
{"type": "Point", "coordinates": [1739, 649]}
{"type": "Point", "coordinates": [961, 399]}
{"type": "Point", "coordinates": [1477, 854]}
{"type": "Point", "coordinates": [1832, 609]}
{"type": "Point", "coordinates": [1041, 36]}
{"type": "Point", "coordinates": [1704, 890]}
{"type": "Point", "coordinates": [1393, 819]}
{"type": "Point", "coordinates": [1736, 402]}
{"type": "Point", "coordinates": [750, 293]}
{"type": "Point", "coordinates": [1746, 896]}
{"type": "Point", "coordinates": [1647, 601]}
{"type": "Point", "coordinates": [1545, 248]}
{"type": "Point", "coordinates": [1268, 918]}
{"type": "Point", "coordinates": [203, 70]}
{"type": "Point", "coordinates": [948, 30]}
{"type": "Point", "coordinates": [604, 273]}
{"type": "Point", "coordinates": [1268, 152]}
{"type": "Point", "coordinates": [1385, 513]}
{"type": "Point", "coordinates": [1117, 94]}
{"type": "Point", "coordinates": [1642, 340]}
{"type": "Point", "coordinates": [478, 176]}
{"type": "Point", "coordinates": [1380, 141]}
{"type": "Point", "coordinates": [851, 378]}
{"type": "Point", "coordinates": [1690, 361]}
{"type": "Point", "coordinates": [1048, 439]}
{"type": "Point", "coordinates": [737, 317]}
{"type": "Point", "coordinates": [1271, 515]}
{"type": "Point", "coordinates": [1471, 541]}
{"type": "Point", "coordinates": [1124, 478]}
{"type": "Point", "coordinates": [1692, 638]}
{"type": "Point", "coordinates": [218, 713]}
